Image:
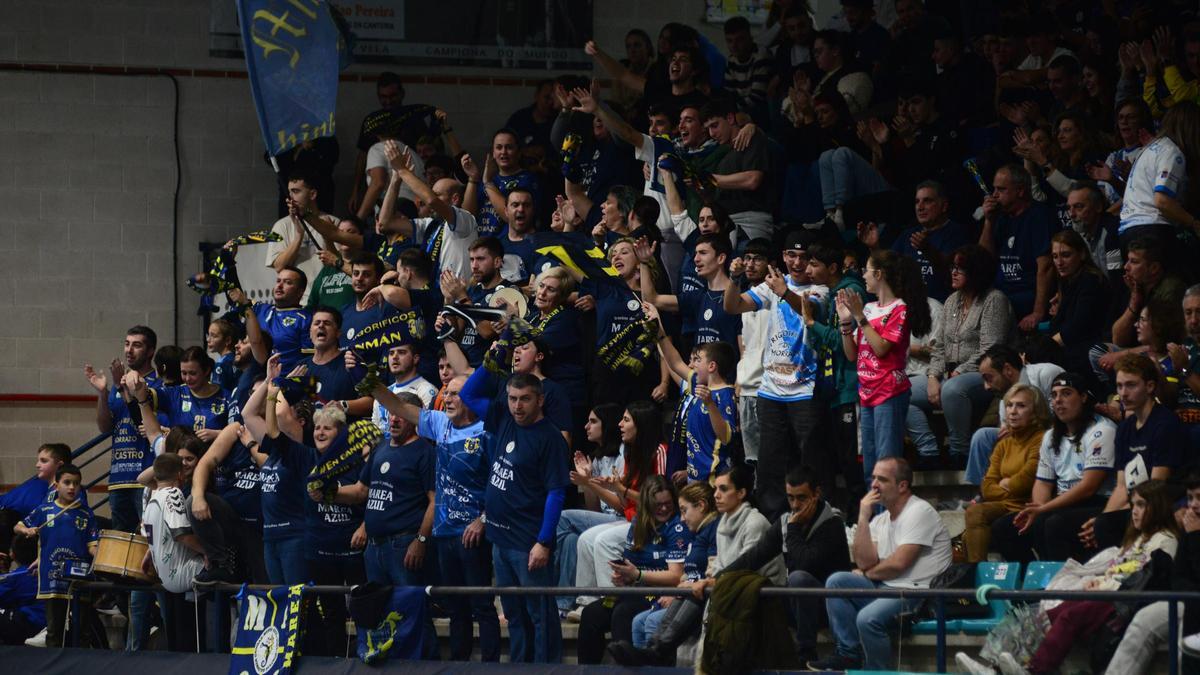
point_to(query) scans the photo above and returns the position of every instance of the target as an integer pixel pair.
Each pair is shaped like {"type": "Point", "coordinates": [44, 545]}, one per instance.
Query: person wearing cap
{"type": "Point", "coordinates": [1074, 479]}
{"type": "Point", "coordinates": [787, 410]}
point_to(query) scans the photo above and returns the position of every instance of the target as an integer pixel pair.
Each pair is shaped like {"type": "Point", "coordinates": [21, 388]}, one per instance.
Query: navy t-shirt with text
{"type": "Point", "coordinates": [398, 480]}
{"type": "Point", "coordinates": [283, 477]}
{"type": "Point", "coordinates": [527, 463]}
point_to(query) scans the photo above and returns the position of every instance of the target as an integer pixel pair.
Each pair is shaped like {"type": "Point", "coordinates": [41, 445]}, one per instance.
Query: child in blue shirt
{"type": "Point", "coordinates": [711, 425]}
{"type": "Point", "coordinates": [67, 534]}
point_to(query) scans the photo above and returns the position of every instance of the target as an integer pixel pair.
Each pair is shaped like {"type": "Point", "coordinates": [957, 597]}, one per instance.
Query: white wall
{"type": "Point", "coordinates": [87, 174]}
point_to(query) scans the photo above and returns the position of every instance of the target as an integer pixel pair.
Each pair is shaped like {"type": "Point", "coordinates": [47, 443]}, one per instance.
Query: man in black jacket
{"type": "Point", "coordinates": [812, 540]}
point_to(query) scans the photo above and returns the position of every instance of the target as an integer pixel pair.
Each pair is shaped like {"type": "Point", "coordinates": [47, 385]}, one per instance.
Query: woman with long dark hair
{"type": "Point", "coordinates": [602, 505]}
{"type": "Point", "coordinates": [655, 547]}
{"type": "Point", "coordinates": [644, 456]}
{"type": "Point", "coordinates": [1080, 319]}
{"type": "Point", "coordinates": [1074, 470]}
{"type": "Point", "coordinates": [876, 336]}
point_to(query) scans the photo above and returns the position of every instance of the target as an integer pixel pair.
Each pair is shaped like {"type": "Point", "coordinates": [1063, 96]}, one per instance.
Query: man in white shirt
{"type": "Point", "coordinates": [305, 232]}
{"type": "Point", "coordinates": [906, 546]}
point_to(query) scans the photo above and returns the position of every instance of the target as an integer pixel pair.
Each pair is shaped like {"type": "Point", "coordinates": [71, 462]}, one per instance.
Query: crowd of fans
{"type": "Point", "coordinates": [705, 321]}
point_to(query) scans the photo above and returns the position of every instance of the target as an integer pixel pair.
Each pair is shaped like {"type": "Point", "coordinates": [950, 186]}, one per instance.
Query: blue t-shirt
{"type": "Point", "coordinates": [398, 480]}
{"type": "Point", "coordinates": [689, 281]}
{"type": "Point", "coordinates": [183, 408]}
{"type": "Point", "coordinates": [329, 527]}
{"type": "Point", "coordinates": [27, 496]}
{"type": "Point", "coordinates": [617, 308]}
{"type": "Point", "coordinates": [462, 472]}
{"type": "Point", "coordinates": [709, 318]}
{"type": "Point", "coordinates": [490, 225]}
{"type": "Point", "coordinates": [474, 346]}
{"type": "Point", "coordinates": [130, 450]}
{"type": "Point", "coordinates": [289, 332]}
{"type": "Point", "coordinates": [527, 463]}
{"type": "Point", "coordinates": [238, 482]}
{"type": "Point", "coordinates": [64, 539]}
{"type": "Point", "coordinates": [946, 239]}
{"type": "Point", "coordinates": [1160, 442]}
{"type": "Point", "coordinates": [669, 545]}
{"type": "Point", "coordinates": [18, 593]}
{"type": "Point", "coordinates": [561, 333]}
{"type": "Point", "coordinates": [283, 478]}
{"type": "Point", "coordinates": [702, 547]}
{"type": "Point", "coordinates": [706, 454]}
{"type": "Point", "coordinates": [225, 374]}
{"type": "Point", "coordinates": [334, 382]}
{"type": "Point", "coordinates": [519, 259]}
{"type": "Point", "coordinates": [1018, 243]}
{"type": "Point", "coordinates": [245, 387]}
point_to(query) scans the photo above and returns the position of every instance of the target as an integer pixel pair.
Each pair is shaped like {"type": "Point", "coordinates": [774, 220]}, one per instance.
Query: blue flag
{"type": "Point", "coordinates": [292, 56]}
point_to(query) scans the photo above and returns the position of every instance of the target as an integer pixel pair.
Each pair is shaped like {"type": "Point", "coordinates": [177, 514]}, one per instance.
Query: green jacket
{"type": "Point", "coordinates": [837, 376]}
{"type": "Point", "coordinates": [745, 632]}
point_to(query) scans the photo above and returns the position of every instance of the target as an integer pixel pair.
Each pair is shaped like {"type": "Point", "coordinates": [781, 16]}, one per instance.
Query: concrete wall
{"type": "Point", "coordinates": [88, 171]}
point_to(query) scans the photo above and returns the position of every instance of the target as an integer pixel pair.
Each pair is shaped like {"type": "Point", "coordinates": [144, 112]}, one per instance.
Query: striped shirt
{"type": "Point", "coordinates": [748, 80]}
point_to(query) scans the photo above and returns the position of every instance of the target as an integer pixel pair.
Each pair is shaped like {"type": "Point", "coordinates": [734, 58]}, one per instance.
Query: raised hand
{"type": "Point", "coordinates": [644, 249]}
{"type": "Point", "coordinates": [469, 167]}
{"type": "Point", "coordinates": [880, 132]}
{"type": "Point", "coordinates": [95, 378]}
{"type": "Point", "coordinates": [868, 234]}
{"type": "Point", "coordinates": [776, 281]}
{"type": "Point", "coordinates": [117, 370]}
{"type": "Point", "coordinates": [737, 267]}
{"type": "Point", "coordinates": [587, 104]}
{"type": "Point", "coordinates": [274, 366]}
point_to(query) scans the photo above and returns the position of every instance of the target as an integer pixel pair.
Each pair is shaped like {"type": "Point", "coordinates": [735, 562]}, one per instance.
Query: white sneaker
{"type": "Point", "coordinates": [972, 666]}
{"type": "Point", "coordinates": [1190, 644]}
{"type": "Point", "coordinates": [1009, 666]}
{"type": "Point", "coordinates": [575, 615]}
{"type": "Point", "coordinates": [38, 640]}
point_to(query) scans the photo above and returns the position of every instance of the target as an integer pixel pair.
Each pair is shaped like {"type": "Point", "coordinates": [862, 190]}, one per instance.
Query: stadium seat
{"type": "Point", "coordinates": [1039, 573]}
{"type": "Point", "coordinates": [1002, 574]}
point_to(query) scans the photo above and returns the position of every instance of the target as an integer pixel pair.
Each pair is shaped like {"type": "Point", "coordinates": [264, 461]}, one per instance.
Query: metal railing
{"type": "Point", "coordinates": [939, 596]}
{"type": "Point", "coordinates": [103, 452]}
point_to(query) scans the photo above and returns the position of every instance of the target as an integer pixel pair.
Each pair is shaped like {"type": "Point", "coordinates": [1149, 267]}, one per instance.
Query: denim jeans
{"type": "Point", "coordinates": [860, 625]}
{"type": "Point", "coordinates": [126, 509]}
{"type": "Point", "coordinates": [962, 396]}
{"type": "Point", "coordinates": [384, 559]}
{"type": "Point", "coordinates": [845, 175]}
{"type": "Point", "coordinates": [571, 524]}
{"type": "Point", "coordinates": [983, 442]}
{"type": "Point", "coordinates": [748, 420]}
{"type": "Point", "coordinates": [645, 624]}
{"type": "Point", "coordinates": [883, 431]}
{"type": "Point", "coordinates": [534, 632]}
{"type": "Point", "coordinates": [806, 612]}
{"type": "Point", "coordinates": [469, 567]}
{"type": "Point", "coordinates": [286, 561]}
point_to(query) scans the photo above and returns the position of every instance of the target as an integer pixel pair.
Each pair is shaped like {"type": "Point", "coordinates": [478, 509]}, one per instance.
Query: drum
{"type": "Point", "coordinates": [120, 555]}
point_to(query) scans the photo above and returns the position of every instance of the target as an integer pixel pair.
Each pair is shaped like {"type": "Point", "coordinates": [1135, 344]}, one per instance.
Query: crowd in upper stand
{"type": "Point", "coordinates": [703, 314]}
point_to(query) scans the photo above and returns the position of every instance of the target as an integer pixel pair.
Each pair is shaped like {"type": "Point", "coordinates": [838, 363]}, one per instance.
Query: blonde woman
{"type": "Point", "coordinates": [1008, 484]}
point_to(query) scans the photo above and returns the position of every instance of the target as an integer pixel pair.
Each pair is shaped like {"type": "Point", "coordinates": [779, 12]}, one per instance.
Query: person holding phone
{"type": "Point", "coordinates": [655, 551]}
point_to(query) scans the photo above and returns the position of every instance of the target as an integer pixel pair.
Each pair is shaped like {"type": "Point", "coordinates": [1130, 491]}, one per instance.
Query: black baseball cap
{"type": "Point", "coordinates": [799, 240]}
{"type": "Point", "coordinates": [1074, 381]}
